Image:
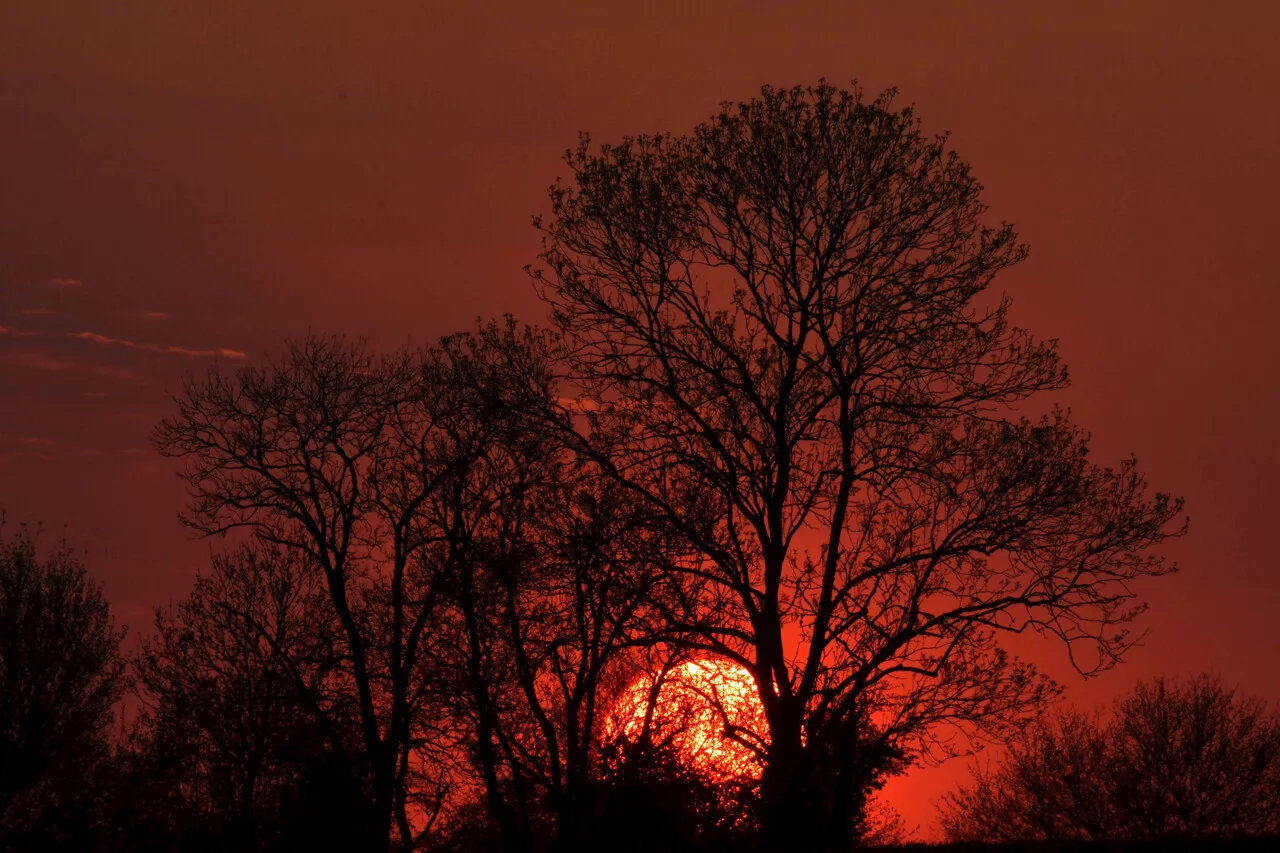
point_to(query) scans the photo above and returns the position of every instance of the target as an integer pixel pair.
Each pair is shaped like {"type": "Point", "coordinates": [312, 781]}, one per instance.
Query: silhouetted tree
{"type": "Point", "coordinates": [367, 467]}
{"type": "Point", "coordinates": [649, 797]}
{"type": "Point", "coordinates": [549, 595]}
{"type": "Point", "coordinates": [1173, 760]}
{"type": "Point", "coordinates": [1197, 760]}
{"type": "Point", "coordinates": [777, 335]}
{"type": "Point", "coordinates": [61, 676]}
{"type": "Point", "coordinates": [327, 452]}
{"type": "Point", "coordinates": [240, 710]}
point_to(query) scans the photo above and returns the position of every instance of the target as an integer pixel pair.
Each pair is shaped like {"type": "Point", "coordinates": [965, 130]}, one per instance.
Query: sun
{"type": "Point", "coordinates": [696, 705]}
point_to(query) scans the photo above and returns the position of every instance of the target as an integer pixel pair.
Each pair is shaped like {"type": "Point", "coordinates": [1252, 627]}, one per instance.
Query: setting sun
{"type": "Point", "coordinates": [708, 708]}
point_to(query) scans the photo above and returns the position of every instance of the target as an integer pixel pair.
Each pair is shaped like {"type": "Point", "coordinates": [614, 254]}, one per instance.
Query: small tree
{"type": "Point", "coordinates": [61, 676]}
{"type": "Point", "coordinates": [1194, 760]}
{"type": "Point", "coordinates": [236, 715]}
{"type": "Point", "coordinates": [779, 336]}
{"type": "Point", "coordinates": [1173, 760]}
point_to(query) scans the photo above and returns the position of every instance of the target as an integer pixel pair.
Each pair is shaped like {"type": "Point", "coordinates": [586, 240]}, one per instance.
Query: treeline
{"type": "Point", "coordinates": [774, 425]}
{"type": "Point", "coordinates": [227, 752]}
{"type": "Point", "coordinates": [246, 730]}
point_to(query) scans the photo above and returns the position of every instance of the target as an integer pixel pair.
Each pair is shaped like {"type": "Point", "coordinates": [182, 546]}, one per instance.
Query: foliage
{"type": "Point", "coordinates": [1172, 760]}
{"type": "Point", "coordinates": [61, 676]}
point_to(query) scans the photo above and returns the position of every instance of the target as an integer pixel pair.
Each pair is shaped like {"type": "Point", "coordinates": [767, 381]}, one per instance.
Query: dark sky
{"type": "Point", "coordinates": [180, 180]}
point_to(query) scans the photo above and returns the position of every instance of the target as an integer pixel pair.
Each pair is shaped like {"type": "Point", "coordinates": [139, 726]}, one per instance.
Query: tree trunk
{"type": "Point", "coordinates": [783, 816]}
{"type": "Point", "coordinates": [811, 793]}
{"type": "Point", "coordinates": [384, 790]}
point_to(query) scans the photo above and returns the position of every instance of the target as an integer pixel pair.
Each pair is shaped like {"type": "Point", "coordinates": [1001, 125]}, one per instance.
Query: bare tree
{"type": "Point", "coordinates": [1056, 770]}
{"type": "Point", "coordinates": [549, 596]}
{"type": "Point", "coordinates": [237, 694]}
{"type": "Point", "coordinates": [779, 337]}
{"type": "Point", "coordinates": [61, 676]}
{"type": "Point", "coordinates": [1172, 760]}
{"type": "Point", "coordinates": [332, 453]}
{"type": "Point", "coordinates": [1195, 760]}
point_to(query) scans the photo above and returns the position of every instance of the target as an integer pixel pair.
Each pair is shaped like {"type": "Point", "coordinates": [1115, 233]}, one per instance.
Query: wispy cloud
{"type": "Point", "coordinates": [15, 448]}
{"type": "Point", "coordinates": [28, 447]}
{"type": "Point", "coordinates": [37, 312]}
{"type": "Point", "coordinates": [155, 315]}
{"type": "Point", "coordinates": [18, 333]}
{"type": "Point", "coordinates": [65, 282]}
{"type": "Point", "coordinates": [35, 360]}
{"type": "Point", "coordinates": [26, 440]}
{"type": "Point", "coordinates": [220, 352]}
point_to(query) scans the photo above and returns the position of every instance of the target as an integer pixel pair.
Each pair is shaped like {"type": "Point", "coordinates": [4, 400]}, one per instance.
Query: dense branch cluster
{"type": "Point", "coordinates": [61, 675]}
{"type": "Point", "coordinates": [1172, 760]}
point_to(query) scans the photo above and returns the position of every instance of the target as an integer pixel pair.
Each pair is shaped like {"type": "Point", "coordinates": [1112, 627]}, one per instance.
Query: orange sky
{"type": "Point", "coordinates": [177, 183]}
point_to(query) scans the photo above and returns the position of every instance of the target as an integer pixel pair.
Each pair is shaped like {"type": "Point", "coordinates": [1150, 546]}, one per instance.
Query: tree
{"type": "Point", "coordinates": [1173, 760]}
{"type": "Point", "coordinates": [61, 676]}
{"type": "Point", "coordinates": [547, 599]}
{"type": "Point", "coordinates": [237, 716]}
{"type": "Point", "coordinates": [1197, 761]}
{"type": "Point", "coordinates": [364, 466]}
{"type": "Point", "coordinates": [777, 334]}
{"type": "Point", "coordinates": [326, 453]}
{"type": "Point", "coordinates": [1052, 786]}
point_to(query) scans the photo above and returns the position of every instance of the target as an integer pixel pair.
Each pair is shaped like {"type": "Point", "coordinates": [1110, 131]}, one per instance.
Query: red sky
{"type": "Point", "coordinates": [216, 178]}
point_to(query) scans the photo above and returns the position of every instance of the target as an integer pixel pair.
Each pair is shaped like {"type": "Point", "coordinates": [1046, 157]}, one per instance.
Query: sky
{"type": "Point", "coordinates": [185, 184]}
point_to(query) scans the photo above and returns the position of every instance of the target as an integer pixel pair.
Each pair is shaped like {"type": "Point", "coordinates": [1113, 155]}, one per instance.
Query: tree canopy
{"type": "Point", "coordinates": [778, 332]}
{"type": "Point", "coordinates": [61, 676]}
{"type": "Point", "coordinates": [1172, 759]}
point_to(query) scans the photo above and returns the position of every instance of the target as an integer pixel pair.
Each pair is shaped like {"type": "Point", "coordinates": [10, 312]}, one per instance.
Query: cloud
{"type": "Point", "coordinates": [65, 282]}
{"type": "Point", "coordinates": [42, 361]}
{"type": "Point", "coordinates": [38, 448]}
{"type": "Point", "coordinates": [31, 448]}
{"type": "Point", "coordinates": [18, 333]}
{"type": "Point", "coordinates": [28, 440]}
{"type": "Point", "coordinates": [577, 404]}
{"type": "Point", "coordinates": [7, 455]}
{"type": "Point", "coordinates": [155, 315]}
{"type": "Point", "coordinates": [37, 312]}
{"type": "Point", "coordinates": [220, 352]}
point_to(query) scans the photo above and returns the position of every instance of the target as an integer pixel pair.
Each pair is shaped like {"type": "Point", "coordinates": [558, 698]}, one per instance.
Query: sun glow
{"type": "Point", "coordinates": [707, 709]}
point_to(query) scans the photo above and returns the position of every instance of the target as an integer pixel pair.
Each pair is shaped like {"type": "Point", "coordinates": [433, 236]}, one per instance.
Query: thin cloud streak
{"type": "Point", "coordinates": [220, 352]}
{"type": "Point", "coordinates": [28, 440]}
{"type": "Point", "coordinates": [41, 361]}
